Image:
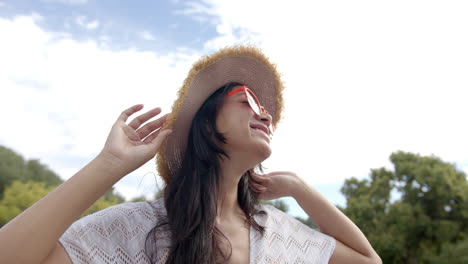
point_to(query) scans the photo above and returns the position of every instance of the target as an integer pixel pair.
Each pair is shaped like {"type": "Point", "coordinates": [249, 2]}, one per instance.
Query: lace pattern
{"type": "Point", "coordinates": [287, 240]}
{"type": "Point", "coordinates": [117, 235]}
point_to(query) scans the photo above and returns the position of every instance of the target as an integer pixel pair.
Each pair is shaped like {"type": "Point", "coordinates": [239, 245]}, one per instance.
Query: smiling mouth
{"type": "Point", "coordinates": [260, 127]}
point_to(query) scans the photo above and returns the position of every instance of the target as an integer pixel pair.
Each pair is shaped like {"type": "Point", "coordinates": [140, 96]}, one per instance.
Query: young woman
{"type": "Point", "coordinates": [209, 151]}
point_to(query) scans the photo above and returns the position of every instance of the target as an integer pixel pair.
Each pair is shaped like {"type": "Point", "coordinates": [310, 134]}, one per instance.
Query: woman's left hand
{"type": "Point", "coordinates": [275, 184]}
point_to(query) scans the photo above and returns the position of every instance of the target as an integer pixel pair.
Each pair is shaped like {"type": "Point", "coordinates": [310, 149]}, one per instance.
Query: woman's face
{"type": "Point", "coordinates": [246, 132]}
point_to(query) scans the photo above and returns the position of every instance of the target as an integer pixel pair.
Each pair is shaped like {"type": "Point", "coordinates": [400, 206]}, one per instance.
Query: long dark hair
{"type": "Point", "coordinates": [191, 196]}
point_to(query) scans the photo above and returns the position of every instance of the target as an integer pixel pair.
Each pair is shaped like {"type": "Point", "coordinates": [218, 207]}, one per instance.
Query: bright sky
{"type": "Point", "coordinates": [363, 78]}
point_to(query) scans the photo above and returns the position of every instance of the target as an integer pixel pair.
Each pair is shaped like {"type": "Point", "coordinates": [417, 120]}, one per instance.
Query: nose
{"type": "Point", "coordinates": [266, 119]}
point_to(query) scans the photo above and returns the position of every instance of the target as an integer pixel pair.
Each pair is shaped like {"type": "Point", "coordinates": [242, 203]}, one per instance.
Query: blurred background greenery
{"type": "Point", "coordinates": [417, 213]}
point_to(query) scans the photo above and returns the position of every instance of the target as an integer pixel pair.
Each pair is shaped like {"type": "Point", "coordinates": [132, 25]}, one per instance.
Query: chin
{"type": "Point", "coordinates": [264, 152]}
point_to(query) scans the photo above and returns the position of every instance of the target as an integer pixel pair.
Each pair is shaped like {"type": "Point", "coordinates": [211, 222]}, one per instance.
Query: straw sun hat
{"type": "Point", "coordinates": [242, 64]}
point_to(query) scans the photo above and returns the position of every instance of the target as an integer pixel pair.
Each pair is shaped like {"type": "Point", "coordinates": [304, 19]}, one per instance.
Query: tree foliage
{"type": "Point", "coordinates": [107, 200]}
{"type": "Point", "coordinates": [24, 182]}
{"type": "Point", "coordinates": [14, 168]}
{"type": "Point", "coordinates": [19, 196]}
{"type": "Point", "coordinates": [414, 214]}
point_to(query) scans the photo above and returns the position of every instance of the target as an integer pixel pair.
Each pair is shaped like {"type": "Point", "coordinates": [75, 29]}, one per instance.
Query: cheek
{"type": "Point", "coordinates": [234, 129]}
{"type": "Point", "coordinates": [233, 120]}
{"type": "Point", "coordinates": [231, 127]}
{"type": "Point", "coordinates": [222, 123]}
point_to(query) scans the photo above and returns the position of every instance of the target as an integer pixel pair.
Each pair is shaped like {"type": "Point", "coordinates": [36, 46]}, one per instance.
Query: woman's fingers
{"type": "Point", "coordinates": [136, 123]}
{"type": "Point", "coordinates": [152, 126]}
{"type": "Point", "coordinates": [157, 137]}
{"type": "Point", "coordinates": [130, 111]}
{"type": "Point", "coordinates": [256, 185]}
{"type": "Point", "coordinates": [131, 134]}
{"type": "Point", "coordinates": [259, 188]}
{"type": "Point", "coordinates": [260, 178]}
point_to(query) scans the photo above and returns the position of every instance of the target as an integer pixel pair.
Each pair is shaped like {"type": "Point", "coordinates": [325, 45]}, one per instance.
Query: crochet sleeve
{"type": "Point", "coordinates": [287, 240]}
{"type": "Point", "coordinates": [114, 235]}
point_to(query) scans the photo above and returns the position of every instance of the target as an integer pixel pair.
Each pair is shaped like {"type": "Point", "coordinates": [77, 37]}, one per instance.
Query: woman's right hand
{"type": "Point", "coordinates": [130, 146]}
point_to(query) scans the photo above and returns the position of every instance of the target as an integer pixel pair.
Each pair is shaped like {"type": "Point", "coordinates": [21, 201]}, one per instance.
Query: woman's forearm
{"type": "Point", "coordinates": [30, 236]}
{"type": "Point", "coordinates": [331, 220]}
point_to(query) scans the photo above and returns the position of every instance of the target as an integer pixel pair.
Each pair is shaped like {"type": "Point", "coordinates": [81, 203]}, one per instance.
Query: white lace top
{"type": "Point", "coordinates": [117, 235]}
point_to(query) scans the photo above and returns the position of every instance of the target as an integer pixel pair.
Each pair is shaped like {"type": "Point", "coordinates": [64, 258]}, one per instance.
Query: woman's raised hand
{"type": "Point", "coordinates": [130, 146]}
{"type": "Point", "coordinates": [275, 184]}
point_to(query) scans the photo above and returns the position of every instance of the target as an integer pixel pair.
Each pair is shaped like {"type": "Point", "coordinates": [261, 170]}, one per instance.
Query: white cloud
{"type": "Point", "coordinates": [364, 79]}
{"type": "Point", "coordinates": [146, 35]}
{"type": "Point", "coordinates": [201, 12]}
{"type": "Point", "coordinates": [62, 96]}
{"type": "Point", "coordinates": [83, 21]}
{"type": "Point", "coordinates": [93, 24]}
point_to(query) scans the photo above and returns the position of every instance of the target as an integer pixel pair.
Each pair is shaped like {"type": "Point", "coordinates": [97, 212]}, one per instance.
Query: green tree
{"type": "Point", "coordinates": [112, 196]}
{"type": "Point", "coordinates": [413, 214]}
{"type": "Point", "coordinates": [453, 253]}
{"type": "Point", "coordinates": [14, 168]}
{"type": "Point", "coordinates": [11, 168]}
{"type": "Point", "coordinates": [24, 182]}
{"type": "Point", "coordinates": [19, 196]}
{"type": "Point", "coordinates": [41, 173]}
{"type": "Point", "coordinates": [103, 203]}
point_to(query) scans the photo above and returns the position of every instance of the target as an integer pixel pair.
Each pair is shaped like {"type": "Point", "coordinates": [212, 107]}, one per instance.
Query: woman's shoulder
{"type": "Point", "coordinates": [288, 239]}
{"type": "Point", "coordinates": [131, 210]}
{"type": "Point", "coordinates": [117, 231]}
{"type": "Point", "coordinates": [122, 218]}
{"type": "Point", "coordinates": [280, 222]}
{"type": "Point", "coordinates": [270, 213]}
{"type": "Point", "coordinates": [142, 212]}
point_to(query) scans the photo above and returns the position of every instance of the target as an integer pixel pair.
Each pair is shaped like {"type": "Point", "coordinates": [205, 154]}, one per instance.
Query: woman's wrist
{"type": "Point", "coordinates": [297, 187]}
{"type": "Point", "coordinates": [110, 165]}
{"type": "Point", "coordinates": [304, 193]}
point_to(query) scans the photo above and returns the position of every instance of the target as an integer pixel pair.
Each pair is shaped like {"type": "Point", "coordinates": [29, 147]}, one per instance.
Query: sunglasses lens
{"type": "Point", "coordinates": [253, 104]}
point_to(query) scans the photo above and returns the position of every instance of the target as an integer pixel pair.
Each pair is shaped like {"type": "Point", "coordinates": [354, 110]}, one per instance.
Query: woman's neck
{"type": "Point", "coordinates": [228, 204]}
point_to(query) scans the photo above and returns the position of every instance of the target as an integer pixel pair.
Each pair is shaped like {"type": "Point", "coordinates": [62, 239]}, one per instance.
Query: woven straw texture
{"type": "Point", "coordinates": [243, 64]}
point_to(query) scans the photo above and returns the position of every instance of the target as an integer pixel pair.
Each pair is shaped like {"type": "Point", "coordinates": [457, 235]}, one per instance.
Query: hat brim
{"type": "Point", "coordinates": [242, 64]}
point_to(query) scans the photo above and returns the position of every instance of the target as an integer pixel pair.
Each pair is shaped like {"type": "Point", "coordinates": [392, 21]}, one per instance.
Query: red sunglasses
{"type": "Point", "coordinates": [253, 102]}
{"type": "Point", "coordinates": [251, 99]}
